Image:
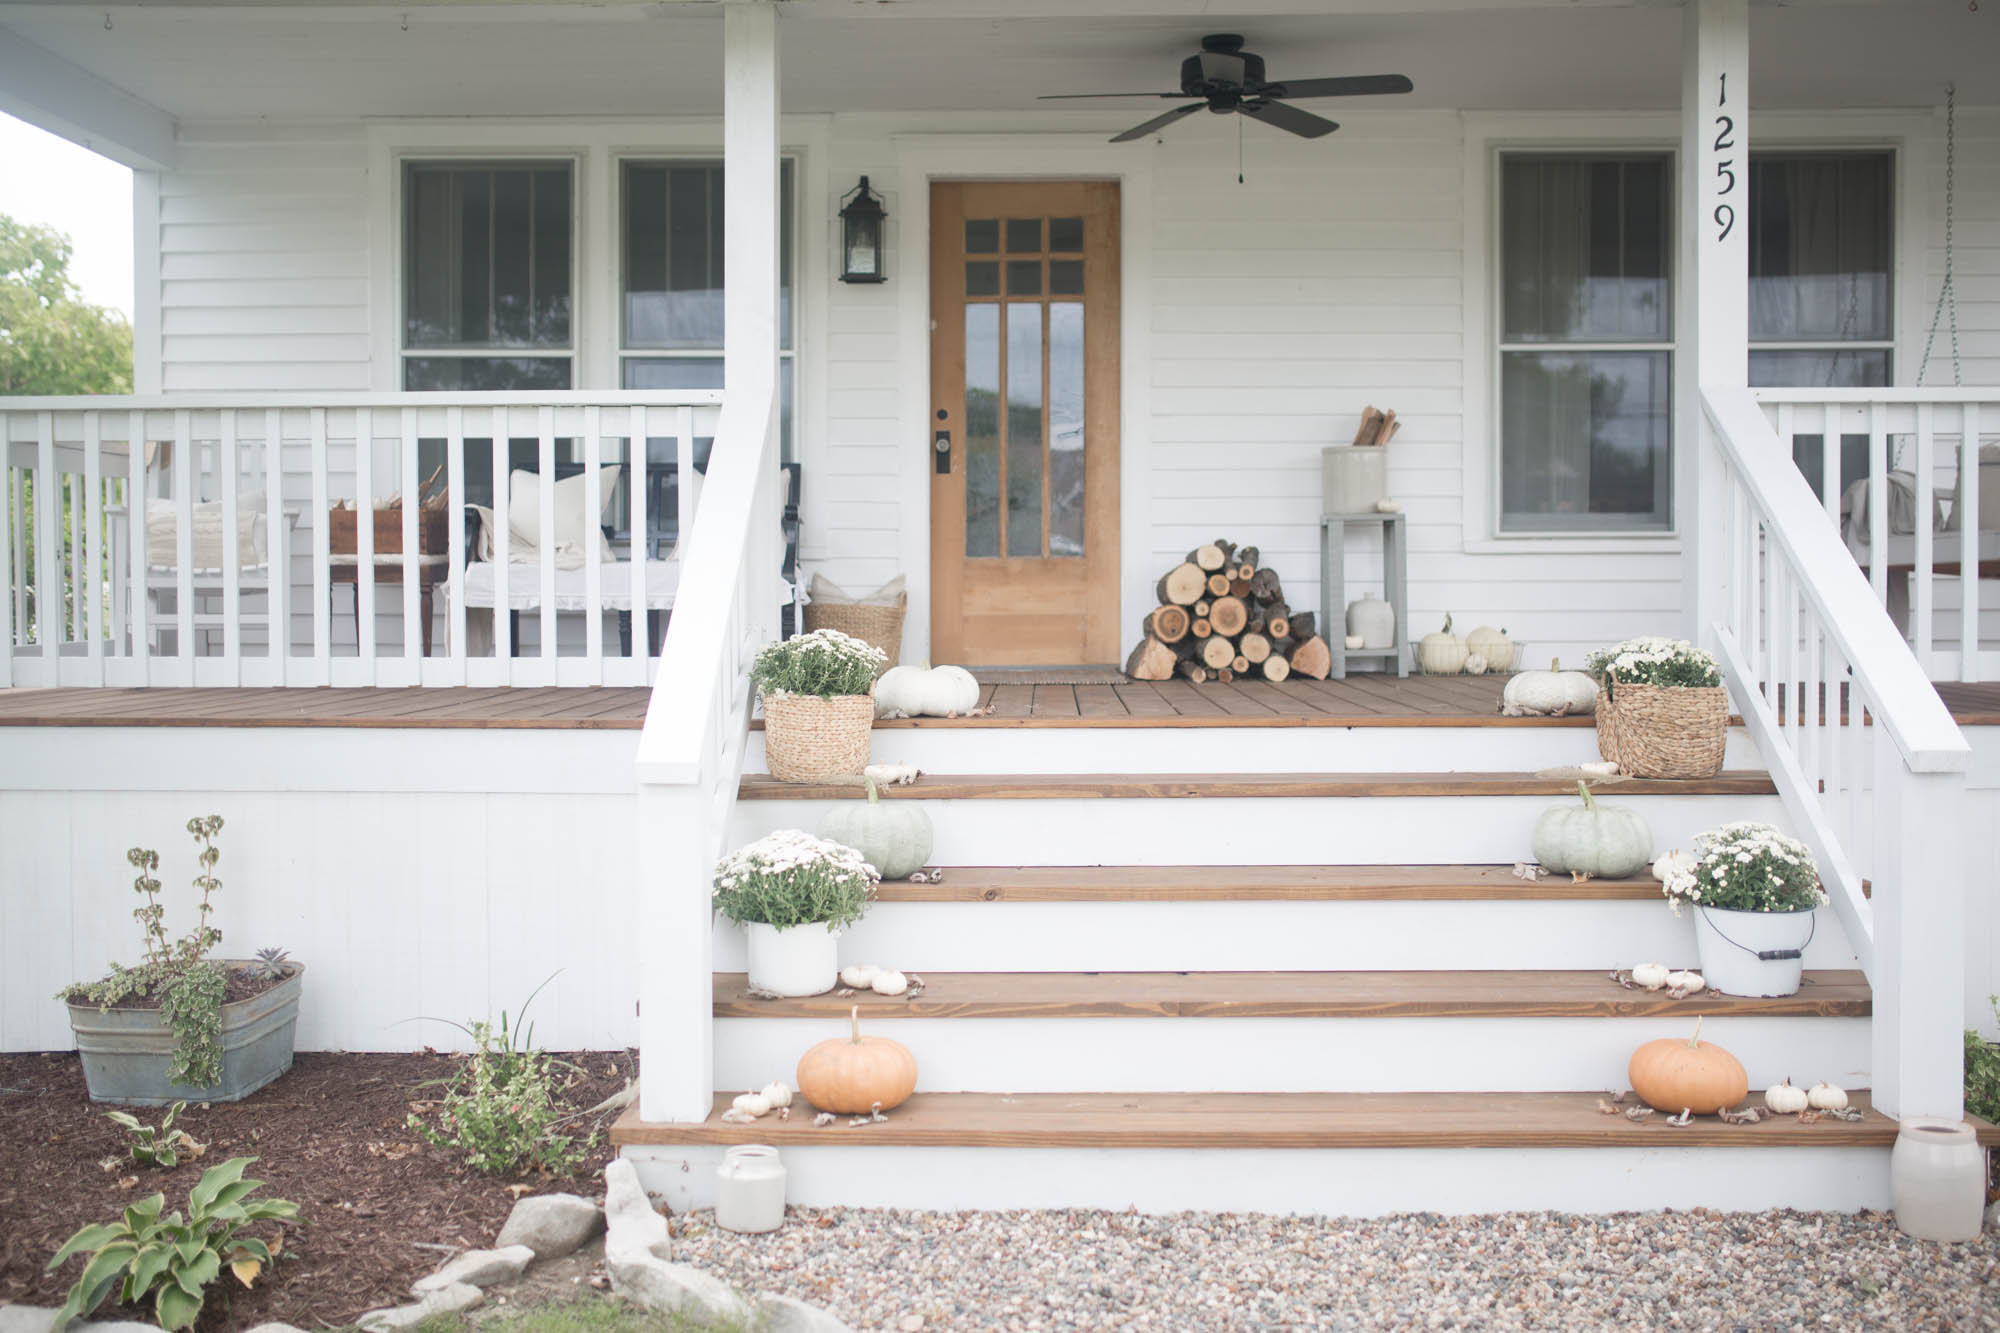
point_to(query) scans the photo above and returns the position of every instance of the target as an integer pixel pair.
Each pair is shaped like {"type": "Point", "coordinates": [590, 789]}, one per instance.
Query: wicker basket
{"type": "Point", "coordinates": [1664, 731]}
{"type": "Point", "coordinates": [810, 739]}
{"type": "Point", "coordinates": [873, 623]}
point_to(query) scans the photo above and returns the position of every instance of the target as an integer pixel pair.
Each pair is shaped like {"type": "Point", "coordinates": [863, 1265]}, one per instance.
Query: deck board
{"type": "Point", "coordinates": [1179, 786]}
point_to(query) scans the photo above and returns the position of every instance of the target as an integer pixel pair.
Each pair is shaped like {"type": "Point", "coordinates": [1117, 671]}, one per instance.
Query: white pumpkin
{"type": "Point", "coordinates": [1651, 976]}
{"type": "Point", "coordinates": [1442, 653]}
{"type": "Point", "coordinates": [861, 976]}
{"type": "Point", "coordinates": [890, 982]}
{"type": "Point", "coordinates": [752, 1104]}
{"type": "Point", "coordinates": [1493, 645]}
{"type": "Point", "coordinates": [1551, 693]}
{"type": "Point", "coordinates": [907, 691]}
{"type": "Point", "coordinates": [1826, 1097]}
{"type": "Point", "coordinates": [1609, 841]}
{"type": "Point", "coordinates": [1687, 983]}
{"type": "Point", "coordinates": [1475, 664]}
{"type": "Point", "coordinates": [1784, 1099]}
{"type": "Point", "coordinates": [777, 1094]}
{"type": "Point", "coordinates": [1670, 864]}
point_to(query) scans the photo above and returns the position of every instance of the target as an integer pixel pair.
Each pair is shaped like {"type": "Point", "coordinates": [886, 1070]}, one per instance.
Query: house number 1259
{"type": "Point", "coordinates": [1725, 127]}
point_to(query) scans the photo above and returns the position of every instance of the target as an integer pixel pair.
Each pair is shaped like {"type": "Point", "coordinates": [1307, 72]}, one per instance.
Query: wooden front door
{"type": "Point", "coordinates": [1024, 502]}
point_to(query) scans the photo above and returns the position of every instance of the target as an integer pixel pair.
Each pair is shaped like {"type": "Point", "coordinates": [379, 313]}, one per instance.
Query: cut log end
{"type": "Point", "coordinates": [1151, 660]}
{"type": "Point", "coordinates": [1193, 670]}
{"type": "Point", "coordinates": [1275, 669]}
{"type": "Point", "coordinates": [1182, 585]}
{"type": "Point", "coordinates": [1254, 647]}
{"type": "Point", "coordinates": [1228, 615]}
{"type": "Point", "coordinates": [1312, 659]}
{"type": "Point", "coordinates": [1203, 627]}
{"type": "Point", "coordinates": [1168, 624]}
{"type": "Point", "coordinates": [1226, 676]}
{"type": "Point", "coordinates": [1217, 652]}
{"type": "Point", "coordinates": [1218, 585]}
{"type": "Point", "coordinates": [1278, 627]}
{"type": "Point", "coordinates": [1208, 558]}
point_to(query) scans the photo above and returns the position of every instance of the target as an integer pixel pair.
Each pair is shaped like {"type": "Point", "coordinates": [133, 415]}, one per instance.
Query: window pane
{"type": "Point", "coordinates": [982, 278]}
{"type": "Point", "coordinates": [1066, 428]}
{"type": "Point", "coordinates": [486, 254]}
{"type": "Point", "coordinates": [1862, 368]}
{"type": "Point", "coordinates": [1066, 277]}
{"type": "Point", "coordinates": [673, 254]}
{"type": "Point", "coordinates": [478, 374]}
{"type": "Point", "coordinates": [1584, 249]}
{"type": "Point", "coordinates": [1585, 441]}
{"type": "Point", "coordinates": [679, 372]}
{"type": "Point", "coordinates": [1819, 246]}
{"type": "Point", "coordinates": [1024, 429]}
{"type": "Point", "coordinates": [982, 430]}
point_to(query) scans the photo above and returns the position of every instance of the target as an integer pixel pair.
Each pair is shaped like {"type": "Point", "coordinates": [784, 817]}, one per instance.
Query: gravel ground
{"type": "Point", "coordinates": [905, 1271]}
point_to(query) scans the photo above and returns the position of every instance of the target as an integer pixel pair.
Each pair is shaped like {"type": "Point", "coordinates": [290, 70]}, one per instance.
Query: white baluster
{"type": "Point", "coordinates": [48, 512]}
{"type": "Point", "coordinates": [136, 591]}
{"type": "Point", "coordinates": [1968, 542]}
{"type": "Point", "coordinates": [593, 549]}
{"type": "Point", "coordinates": [545, 443]}
{"type": "Point", "coordinates": [322, 608]}
{"type": "Point", "coordinates": [415, 623]}
{"type": "Point", "coordinates": [1829, 463]}
{"type": "Point", "coordinates": [90, 608]}
{"type": "Point", "coordinates": [364, 543]}
{"type": "Point", "coordinates": [277, 552]}
{"type": "Point", "coordinates": [232, 553]}
{"type": "Point", "coordinates": [1922, 598]}
{"type": "Point", "coordinates": [503, 569]}
{"type": "Point", "coordinates": [183, 504]}
{"type": "Point", "coordinates": [454, 533]}
{"type": "Point", "coordinates": [1878, 504]}
{"type": "Point", "coordinates": [642, 638]}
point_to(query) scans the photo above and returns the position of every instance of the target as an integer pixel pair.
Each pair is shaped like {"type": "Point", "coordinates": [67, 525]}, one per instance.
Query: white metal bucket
{"type": "Point", "coordinates": [1752, 953]}
{"type": "Point", "coordinates": [798, 960]}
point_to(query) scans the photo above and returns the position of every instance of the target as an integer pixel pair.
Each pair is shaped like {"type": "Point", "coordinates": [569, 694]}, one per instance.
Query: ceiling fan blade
{"type": "Point", "coordinates": [1302, 123]}
{"type": "Point", "coordinates": [1161, 122]}
{"type": "Point", "coordinates": [1362, 85]}
{"type": "Point", "coordinates": [1071, 97]}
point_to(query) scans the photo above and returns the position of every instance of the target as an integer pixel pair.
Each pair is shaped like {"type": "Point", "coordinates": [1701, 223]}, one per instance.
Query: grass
{"type": "Point", "coordinates": [580, 1314]}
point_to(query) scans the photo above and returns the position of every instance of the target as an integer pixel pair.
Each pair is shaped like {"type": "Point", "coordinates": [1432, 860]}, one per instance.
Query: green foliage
{"type": "Point", "coordinates": [178, 973]}
{"type": "Point", "coordinates": [790, 878]}
{"type": "Point", "coordinates": [172, 1259]}
{"type": "Point", "coordinates": [825, 662]}
{"type": "Point", "coordinates": [499, 1112]}
{"type": "Point", "coordinates": [1982, 1072]}
{"type": "Point", "coordinates": [51, 341]}
{"type": "Point", "coordinates": [160, 1147]}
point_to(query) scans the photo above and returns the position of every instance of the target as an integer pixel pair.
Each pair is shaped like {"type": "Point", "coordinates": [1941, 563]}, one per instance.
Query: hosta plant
{"type": "Point", "coordinates": [1745, 867]}
{"type": "Point", "coordinates": [1653, 660]}
{"type": "Point", "coordinates": [825, 662]}
{"type": "Point", "coordinates": [162, 1147]}
{"type": "Point", "coordinates": [790, 878]}
{"type": "Point", "coordinates": [170, 1259]}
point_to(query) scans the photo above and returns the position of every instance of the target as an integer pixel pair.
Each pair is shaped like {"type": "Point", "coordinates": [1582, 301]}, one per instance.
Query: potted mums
{"type": "Point", "coordinates": [817, 706]}
{"type": "Point", "coordinates": [1662, 710]}
{"type": "Point", "coordinates": [1754, 892]}
{"type": "Point", "coordinates": [793, 894]}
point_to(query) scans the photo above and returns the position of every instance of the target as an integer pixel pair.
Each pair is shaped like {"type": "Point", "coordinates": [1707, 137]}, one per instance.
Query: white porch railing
{"type": "Point", "coordinates": [184, 540]}
{"type": "Point", "coordinates": [1920, 523]}
{"type": "Point", "coordinates": [1868, 762]}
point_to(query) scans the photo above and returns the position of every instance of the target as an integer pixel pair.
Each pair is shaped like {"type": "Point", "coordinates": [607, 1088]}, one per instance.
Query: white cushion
{"type": "Point", "coordinates": [162, 533]}
{"type": "Point", "coordinates": [828, 593]}
{"type": "Point", "coordinates": [574, 528]}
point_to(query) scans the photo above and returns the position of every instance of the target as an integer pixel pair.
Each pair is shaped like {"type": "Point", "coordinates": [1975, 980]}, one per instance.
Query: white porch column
{"type": "Point", "coordinates": [1715, 257]}
{"type": "Point", "coordinates": [750, 194]}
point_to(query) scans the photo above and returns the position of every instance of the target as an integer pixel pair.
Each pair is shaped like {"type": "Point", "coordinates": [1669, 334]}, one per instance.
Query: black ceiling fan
{"type": "Point", "coordinates": [1229, 79]}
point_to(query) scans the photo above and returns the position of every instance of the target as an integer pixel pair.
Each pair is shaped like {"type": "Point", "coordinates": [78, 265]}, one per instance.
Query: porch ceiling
{"type": "Point", "coordinates": [630, 60]}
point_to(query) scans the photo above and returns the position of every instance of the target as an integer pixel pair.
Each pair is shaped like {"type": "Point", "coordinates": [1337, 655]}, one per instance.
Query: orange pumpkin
{"type": "Point", "coordinates": [854, 1074]}
{"type": "Point", "coordinates": [1693, 1075]}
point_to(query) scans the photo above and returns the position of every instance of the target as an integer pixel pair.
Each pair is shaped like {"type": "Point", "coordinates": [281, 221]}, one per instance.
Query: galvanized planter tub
{"type": "Point", "coordinates": [127, 1052]}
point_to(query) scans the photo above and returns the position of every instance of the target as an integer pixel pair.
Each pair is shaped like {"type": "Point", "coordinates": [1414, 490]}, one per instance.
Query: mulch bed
{"type": "Point", "coordinates": [330, 1136]}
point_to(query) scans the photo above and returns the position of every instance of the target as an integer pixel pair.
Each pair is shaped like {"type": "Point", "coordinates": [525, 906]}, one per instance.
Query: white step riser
{"type": "Point", "coordinates": [1359, 830]}
{"type": "Point", "coordinates": [1239, 749]}
{"type": "Point", "coordinates": [1296, 1054]}
{"type": "Point", "coordinates": [1481, 935]}
{"type": "Point", "coordinates": [1358, 1182]}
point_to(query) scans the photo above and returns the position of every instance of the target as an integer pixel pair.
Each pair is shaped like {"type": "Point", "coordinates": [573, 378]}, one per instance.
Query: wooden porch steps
{"type": "Point", "coordinates": [1129, 786]}
{"type": "Point", "coordinates": [1236, 1120]}
{"type": "Point", "coordinates": [1514, 994]}
{"type": "Point", "coordinates": [1308, 883]}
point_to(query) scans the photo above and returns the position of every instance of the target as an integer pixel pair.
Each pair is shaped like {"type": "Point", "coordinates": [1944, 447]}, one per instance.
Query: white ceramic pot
{"type": "Point", "coordinates": [1937, 1180]}
{"type": "Point", "coordinates": [799, 960]}
{"type": "Point", "coordinates": [750, 1189]}
{"type": "Point", "coordinates": [1731, 944]}
{"type": "Point", "coordinates": [1373, 619]}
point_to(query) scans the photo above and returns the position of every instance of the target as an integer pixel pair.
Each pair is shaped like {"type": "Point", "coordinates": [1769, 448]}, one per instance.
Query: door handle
{"type": "Point", "coordinates": [941, 452]}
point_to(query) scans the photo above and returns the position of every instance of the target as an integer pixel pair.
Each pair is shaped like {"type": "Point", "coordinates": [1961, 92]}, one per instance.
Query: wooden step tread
{"type": "Point", "coordinates": [1526, 994]}
{"type": "Point", "coordinates": [1124, 786]}
{"type": "Point", "coordinates": [1110, 884]}
{"type": "Point", "coordinates": [1266, 1120]}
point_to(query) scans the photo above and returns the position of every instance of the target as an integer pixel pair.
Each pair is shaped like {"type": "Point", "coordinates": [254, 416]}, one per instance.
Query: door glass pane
{"type": "Point", "coordinates": [1584, 249]}
{"type": "Point", "coordinates": [1819, 247]}
{"type": "Point", "coordinates": [1066, 234]}
{"type": "Point", "coordinates": [1024, 429]}
{"type": "Point", "coordinates": [1066, 277]}
{"type": "Point", "coordinates": [1024, 236]}
{"type": "Point", "coordinates": [486, 255]}
{"type": "Point", "coordinates": [1066, 428]}
{"type": "Point", "coordinates": [1585, 440]}
{"type": "Point", "coordinates": [982, 236]}
{"type": "Point", "coordinates": [982, 278]}
{"type": "Point", "coordinates": [982, 430]}
{"type": "Point", "coordinates": [1024, 277]}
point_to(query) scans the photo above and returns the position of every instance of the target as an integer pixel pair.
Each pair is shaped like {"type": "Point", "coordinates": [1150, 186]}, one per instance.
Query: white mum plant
{"type": "Point", "coordinates": [1653, 660]}
{"type": "Point", "coordinates": [790, 878]}
{"type": "Point", "coordinates": [1745, 867]}
{"type": "Point", "coordinates": [825, 662]}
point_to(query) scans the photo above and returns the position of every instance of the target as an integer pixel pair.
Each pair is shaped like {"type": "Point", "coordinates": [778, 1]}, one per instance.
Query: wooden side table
{"type": "Point", "coordinates": [389, 569]}
{"type": "Point", "coordinates": [1333, 589]}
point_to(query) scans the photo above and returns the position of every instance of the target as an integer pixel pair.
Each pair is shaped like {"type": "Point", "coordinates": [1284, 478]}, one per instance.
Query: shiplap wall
{"type": "Point", "coordinates": [1976, 266]}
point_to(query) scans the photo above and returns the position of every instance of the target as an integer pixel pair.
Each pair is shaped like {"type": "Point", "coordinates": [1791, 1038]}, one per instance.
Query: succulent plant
{"type": "Point", "coordinates": [271, 964]}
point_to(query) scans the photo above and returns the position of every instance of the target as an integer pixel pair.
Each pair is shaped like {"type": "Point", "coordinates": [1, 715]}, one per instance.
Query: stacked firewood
{"type": "Point", "coordinates": [1221, 616]}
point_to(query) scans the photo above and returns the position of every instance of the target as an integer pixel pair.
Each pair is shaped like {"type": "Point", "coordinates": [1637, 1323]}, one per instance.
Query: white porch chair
{"type": "Point", "coordinates": [253, 575]}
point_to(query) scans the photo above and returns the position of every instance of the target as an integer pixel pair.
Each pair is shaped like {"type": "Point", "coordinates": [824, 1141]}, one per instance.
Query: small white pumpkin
{"type": "Point", "coordinates": [752, 1103]}
{"type": "Point", "coordinates": [1687, 983]}
{"type": "Point", "coordinates": [861, 976]}
{"type": "Point", "coordinates": [907, 691]}
{"type": "Point", "coordinates": [777, 1094]}
{"type": "Point", "coordinates": [1551, 693]}
{"type": "Point", "coordinates": [1826, 1097]}
{"type": "Point", "coordinates": [1651, 976]}
{"type": "Point", "coordinates": [1475, 664]}
{"type": "Point", "coordinates": [1494, 646]}
{"type": "Point", "coordinates": [1784, 1099]}
{"type": "Point", "coordinates": [1669, 864]}
{"type": "Point", "coordinates": [1442, 653]}
{"type": "Point", "coordinates": [1353, 641]}
{"type": "Point", "coordinates": [1609, 841]}
{"type": "Point", "coordinates": [890, 982]}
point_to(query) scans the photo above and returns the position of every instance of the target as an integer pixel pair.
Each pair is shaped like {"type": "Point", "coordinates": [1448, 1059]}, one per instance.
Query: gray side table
{"type": "Point", "coordinates": [1333, 589]}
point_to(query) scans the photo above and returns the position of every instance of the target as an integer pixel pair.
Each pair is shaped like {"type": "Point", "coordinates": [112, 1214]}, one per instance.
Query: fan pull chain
{"type": "Point", "coordinates": [1239, 150]}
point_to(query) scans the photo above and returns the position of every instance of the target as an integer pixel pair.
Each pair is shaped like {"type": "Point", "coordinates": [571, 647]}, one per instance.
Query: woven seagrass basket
{"type": "Point", "coordinates": [877, 625]}
{"type": "Point", "coordinates": [1663, 731]}
{"type": "Point", "coordinates": [808, 738]}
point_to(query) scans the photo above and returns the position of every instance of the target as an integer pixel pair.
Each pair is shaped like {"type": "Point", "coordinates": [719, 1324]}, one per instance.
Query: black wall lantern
{"type": "Point", "coordinates": [861, 217]}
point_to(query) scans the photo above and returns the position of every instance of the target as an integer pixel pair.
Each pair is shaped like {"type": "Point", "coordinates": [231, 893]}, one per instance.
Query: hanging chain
{"type": "Point", "coordinates": [1947, 297]}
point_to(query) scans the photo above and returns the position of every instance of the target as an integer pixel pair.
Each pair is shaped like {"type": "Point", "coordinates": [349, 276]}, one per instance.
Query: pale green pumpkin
{"type": "Point", "coordinates": [893, 836]}
{"type": "Point", "coordinates": [1609, 841]}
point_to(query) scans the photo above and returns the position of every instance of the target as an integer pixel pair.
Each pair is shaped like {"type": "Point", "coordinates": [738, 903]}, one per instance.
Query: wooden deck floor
{"type": "Point", "coordinates": [1358, 701]}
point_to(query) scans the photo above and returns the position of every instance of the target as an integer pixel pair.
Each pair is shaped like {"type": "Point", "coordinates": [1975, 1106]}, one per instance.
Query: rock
{"type": "Point", "coordinates": [25, 1319]}
{"type": "Point", "coordinates": [634, 1227]}
{"type": "Point", "coordinates": [551, 1225]}
{"type": "Point", "coordinates": [1993, 1214]}
{"type": "Point", "coordinates": [787, 1314]}
{"type": "Point", "coordinates": [674, 1288]}
{"type": "Point", "coordinates": [446, 1300]}
{"type": "Point", "coordinates": [275, 1328]}
{"type": "Point", "coordinates": [476, 1268]}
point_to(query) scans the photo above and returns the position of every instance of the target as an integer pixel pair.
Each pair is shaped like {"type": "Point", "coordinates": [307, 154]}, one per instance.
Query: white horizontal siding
{"type": "Point", "coordinates": [1976, 259]}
